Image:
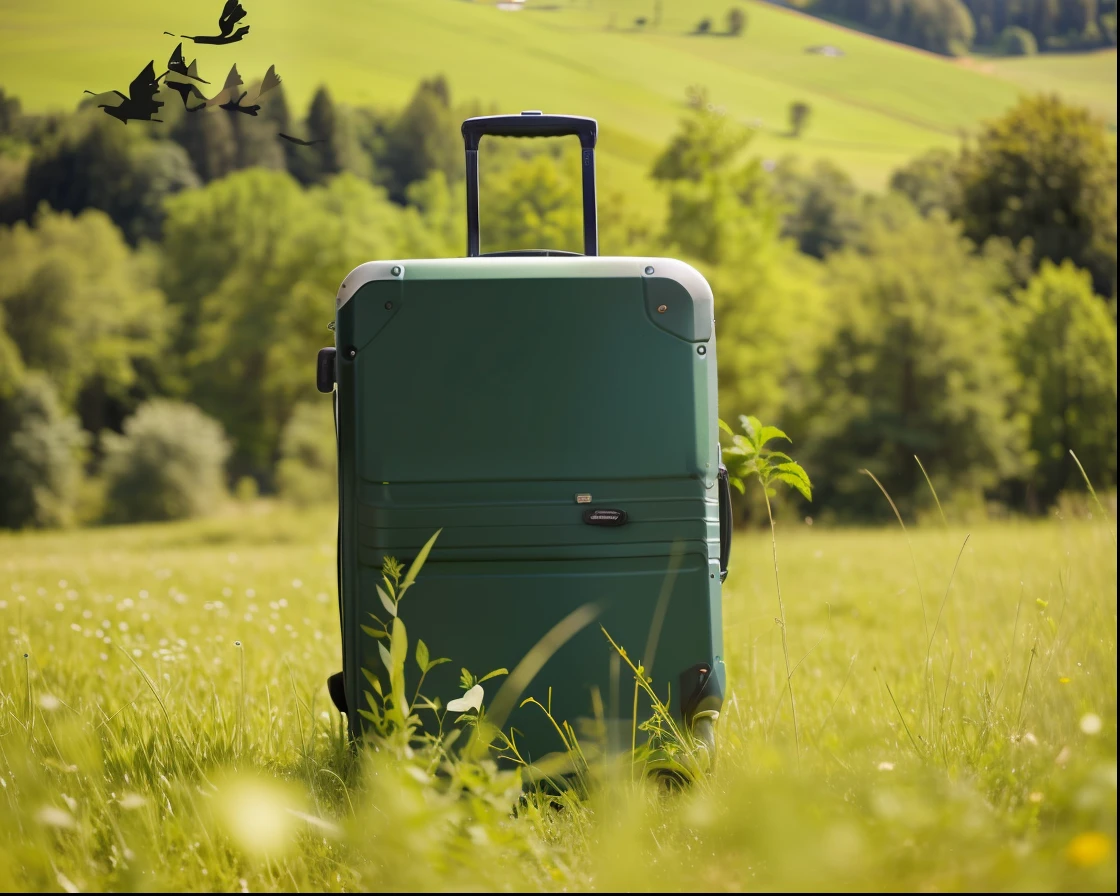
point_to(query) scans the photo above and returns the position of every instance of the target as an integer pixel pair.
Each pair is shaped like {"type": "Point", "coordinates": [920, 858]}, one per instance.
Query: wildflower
{"type": "Point", "coordinates": [1089, 848]}
{"type": "Point", "coordinates": [1091, 723]}
{"type": "Point", "coordinates": [472, 699]}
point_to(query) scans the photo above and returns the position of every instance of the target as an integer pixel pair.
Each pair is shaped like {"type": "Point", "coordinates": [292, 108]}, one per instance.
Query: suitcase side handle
{"type": "Point", "coordinates": [533, 124]}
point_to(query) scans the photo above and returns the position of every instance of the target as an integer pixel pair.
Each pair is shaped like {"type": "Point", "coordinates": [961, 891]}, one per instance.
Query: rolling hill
{"type": "Point", "coordinates": [874, 106]}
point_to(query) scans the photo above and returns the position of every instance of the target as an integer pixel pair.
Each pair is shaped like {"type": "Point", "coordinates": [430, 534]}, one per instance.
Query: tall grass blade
{"type": "Point", "coordinates": [933, 491]}
{"type": "Point", "coordinates": [1093, 492]}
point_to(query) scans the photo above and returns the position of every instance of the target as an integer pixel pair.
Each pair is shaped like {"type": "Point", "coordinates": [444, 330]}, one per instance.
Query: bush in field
{"type": "Point", "coordinates": [40, 456]}
{"type": "Point", "coordinates": [799, 114]}
{"type": "Point", "coordinates": [1016, 41]}
{"type": "Point", "coordinates": [912, 361]}
{"type": "Point", "coordinates": [1066, 351]}
{"type": "Point", "coordinates": [168, 464]}
{"type": "Point", "coordinates": [736, 21]}
{"type": "Point", "coordinates": [929, 181]}
{"type": "Point", "coordinates": [1045, 170]}
{"type": "Point", "coordinates": [308, 468]}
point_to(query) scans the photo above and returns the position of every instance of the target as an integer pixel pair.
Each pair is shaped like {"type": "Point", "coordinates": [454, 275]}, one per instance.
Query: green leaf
{"type": "Point", "coordinates": [466, 680]}
{"type": "Point", "coordinates": [493, 674]}
{"type": "Point", "coordinates": [386, 601]}
{"type": "Point", "coordinates": [766, 433]}
{"type": "Point", "coordinates": [422, 655]}
{"type": "Point", "coordinates": [417, 564]}
{"type": "Point", "coordinates": [752, 426]}
{"type": "Point", "coordinates": [385, 658]}
{"type": "Point", "coordinates": [439, 660]}
{"type": "Point", "coordinates": [798, 482]}
{"type": "Point", "coordinates": [370, 677]}
{"type": "Point", "coordinates": [373, 632]}
{"type": "Point", "coordinates": [727, 429]}
{"type": "Point", "coordinates": [398, 652]}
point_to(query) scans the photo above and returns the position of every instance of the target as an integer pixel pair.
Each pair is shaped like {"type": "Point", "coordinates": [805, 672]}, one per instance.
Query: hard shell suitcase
{"type": "Point", "coordinates": [555, 415]}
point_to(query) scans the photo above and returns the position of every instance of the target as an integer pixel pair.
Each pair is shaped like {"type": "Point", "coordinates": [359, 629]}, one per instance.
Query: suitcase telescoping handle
{"type": "Point", "coordinates": [533, 124]}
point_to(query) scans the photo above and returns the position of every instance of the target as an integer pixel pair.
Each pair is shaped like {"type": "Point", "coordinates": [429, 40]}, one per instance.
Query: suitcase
{"type": "Point", "coordinates": [555, 415]}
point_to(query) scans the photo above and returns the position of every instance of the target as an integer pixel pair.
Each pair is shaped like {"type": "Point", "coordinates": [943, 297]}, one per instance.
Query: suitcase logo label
{"type": "Point", "coordinates": [604, 517]}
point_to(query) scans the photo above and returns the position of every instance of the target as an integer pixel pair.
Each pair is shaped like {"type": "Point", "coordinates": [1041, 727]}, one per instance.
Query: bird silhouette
{"type": "Point", "coordinates": [232, 13]}
{"type": "Point", "coordinates": [297, 141]}
{"type": "Point", "coordinates": [271, 80]}
{"type": "Point", "coordinates": [186, 90]}
{"type": "Point", "coordinates": [229, 90]}
{"type": "Point", "coordinates": [178, 64]}
{"type": "Point", "coordinates": [141, 103]}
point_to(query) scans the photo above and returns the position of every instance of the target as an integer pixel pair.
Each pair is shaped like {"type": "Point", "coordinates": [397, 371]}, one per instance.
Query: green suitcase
{"type": "Point", "coordinates": [555, 415]}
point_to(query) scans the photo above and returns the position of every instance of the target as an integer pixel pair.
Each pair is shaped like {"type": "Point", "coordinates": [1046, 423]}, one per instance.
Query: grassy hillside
{"type": "Point", "coordinates": [872, 108]}
{"type": "Point", "coordinates": [1087, 78]}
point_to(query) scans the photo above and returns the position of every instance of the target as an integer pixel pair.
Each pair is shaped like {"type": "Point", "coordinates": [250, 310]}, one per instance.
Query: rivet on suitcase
{"type": "Point", "coordinates": [555, 414]}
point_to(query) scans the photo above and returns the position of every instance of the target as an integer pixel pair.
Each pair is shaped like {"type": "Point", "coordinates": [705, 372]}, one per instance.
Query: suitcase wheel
{"type": "Point", "coordinates": [324, 370]}
{"type": "Point", "coordinates": [337, 691]}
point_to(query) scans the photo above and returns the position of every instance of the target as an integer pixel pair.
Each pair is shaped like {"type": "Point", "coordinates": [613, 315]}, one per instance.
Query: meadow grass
{"type": "Point", "coordinates": [874, 108]}
{"type": "Point", "coordinates": [164, 725]}
{"type": "Point", "coordinates": [1086, 78]}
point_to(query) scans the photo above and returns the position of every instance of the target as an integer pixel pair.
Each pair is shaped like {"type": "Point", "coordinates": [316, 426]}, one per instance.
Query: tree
{"type": "Point", "coordinates": [95, 163]}
{"type": "Point", "coordinates": [912, 360]}
{"type": "Point", "coordinates": [704, 26]}
{"type": "Point", "coordinates": [81, 306]}
{"type": "Point", "coordinates": [424, 138]}
{"type": "Point", "coordinates": [251, 264]}
{"type": "Point", "coordinates": [10, 114]}
{"type": "Point", "coordinates": [168, 464]}
{"type": "Point", "coordinates": [210, 142]}
{"type": "Point", "coordinates": [723, 216]}
{"type": "Point", "coordinates": [337, 146]}
{"type": "Point", "coordinates": [533, 204]}
{"type": "Point", "coordinates": [822, 208]}
{"type": "Point", "coordinates": [1045, 171]}
{"type": "Point", "coordinates": [736, 21]}
{"type": "Point", "coordinates": [799, 114]}
{"type": "Point", "coordinates": [942, 26]}
{"type": "Point", "coordinates": [705, 141]}
{"type": "Point", "coordinates": [1016, 41]}
{"type": "Point", "coordinates": [308, 469]}
{"type": "Point", "coordinates": [1066, 350]}
{"type": "Point", "coordinates": [930, 181]}
{"type": "Point", "coordinates": [40, 456]}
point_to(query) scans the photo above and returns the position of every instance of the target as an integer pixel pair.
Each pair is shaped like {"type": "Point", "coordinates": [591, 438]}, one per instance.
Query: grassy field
{"type": "Point", "coordinates": [164, 725]}
{"type": "Point", "coordinates": [1086, 78]}
{"type": "Point", "coordinates": [873, 108]}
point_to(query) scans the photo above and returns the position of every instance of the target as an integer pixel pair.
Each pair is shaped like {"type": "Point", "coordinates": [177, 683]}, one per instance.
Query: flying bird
{"type": "Point", "coordinates": [178, 64]}
{"type": "Point", "coordinates": [297, 141]}
{"type": "Point", "coordinates": [271, 80]}
{"type": "Point", "coordinates": [232, 13]}
{"type": "Point", "coordinates": [229, 90]}
{"type": "Point", "coordinates": [141, 103]}
{"type": "Point", "coordinates": [185, 90]}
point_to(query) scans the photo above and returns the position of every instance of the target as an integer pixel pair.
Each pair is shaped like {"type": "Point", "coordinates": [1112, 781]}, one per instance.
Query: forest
{"type": "Point", "coordinates": [167, 286]}
{"type": "Point", "coordinates": [1004, 27]}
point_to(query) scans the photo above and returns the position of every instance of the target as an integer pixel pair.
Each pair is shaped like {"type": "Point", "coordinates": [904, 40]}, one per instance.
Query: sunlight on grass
{"type": "Point", "coordinates": [136, 752]}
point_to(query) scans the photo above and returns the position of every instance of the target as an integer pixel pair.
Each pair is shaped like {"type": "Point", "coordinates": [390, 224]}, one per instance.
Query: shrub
{"type": "Point", "coordinates": [168, 464]}
{"type": "Point", "coordinates": [1016, 41]}
{"type": "Point", "coordinates": [704, 26]}
{"type": "Point", "coordinates": [799, 113]}
{"type": "Point", "coordinates": [736, 21]}
{"type": "Point", "coordinates": [308, 468]}
{"type": "Point", "coordinates": [40, 456]}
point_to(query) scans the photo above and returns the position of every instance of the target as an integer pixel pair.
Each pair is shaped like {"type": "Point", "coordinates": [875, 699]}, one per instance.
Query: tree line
{"type": "Point", "coordinates": [953, 27]}
{"type": "Point", "coordinates": [165, 295]}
